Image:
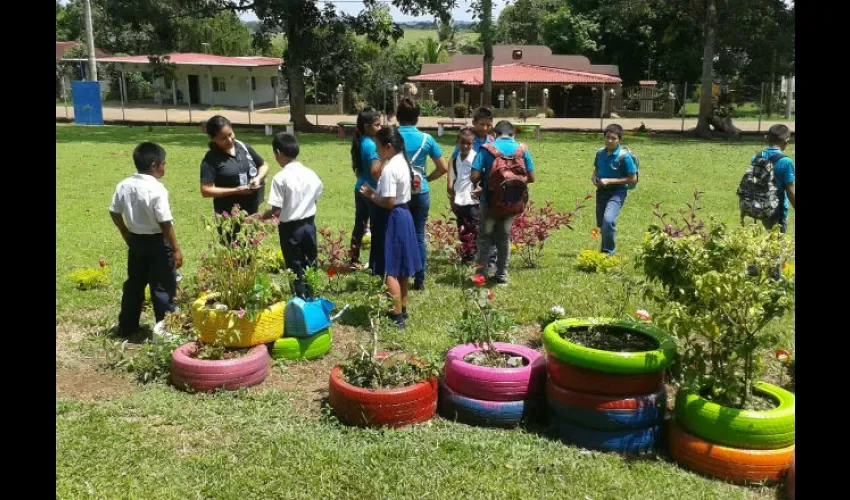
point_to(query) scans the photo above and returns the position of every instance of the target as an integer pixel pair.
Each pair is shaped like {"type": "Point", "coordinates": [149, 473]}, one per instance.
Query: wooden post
{"type": "Point", "coordinates": [122, 87]}
{"type": "Point", "coordinates": [452, 100]}
{"type": "Point", "coordinates": [189, 97]}
{"type": "Point", "coordinates": [212, 96]}
{"type": "Point", "coordinates": [684, 105]}
{"type": "Point", "coordinates": [174, 90]}
{"type": "Point", "coordinates": [250, 97]}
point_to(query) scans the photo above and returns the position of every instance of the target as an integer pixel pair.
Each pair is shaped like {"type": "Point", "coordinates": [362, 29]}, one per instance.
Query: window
{"type": "Point", "coordinates": [253, 83]}
{"type": "Point", "coordinates": [219, 84]}
{"type": "Point", "coordinates": [274, 82]}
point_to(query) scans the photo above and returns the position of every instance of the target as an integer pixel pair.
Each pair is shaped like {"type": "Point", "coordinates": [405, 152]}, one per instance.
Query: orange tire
{"type": "Point", "coordinates": [732, 464]}
{"type": "Point", "coordinates": [791, 481]}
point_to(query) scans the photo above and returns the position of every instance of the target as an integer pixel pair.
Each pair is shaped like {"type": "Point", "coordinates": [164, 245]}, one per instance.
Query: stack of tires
{"type": "Point", "coordinates": [494, 397]}
{"type": "Point", "coordinates": [736, 445]}
{"type": "Point", "coordinates": [312, 347]}
{"type": "Point", "coordinates": [307, 330]}
{"type": "Point", "coordinates": [606, 400]}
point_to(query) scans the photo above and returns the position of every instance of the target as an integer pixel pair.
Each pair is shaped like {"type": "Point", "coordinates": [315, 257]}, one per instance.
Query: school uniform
{"type": "Point", "coordinates": [401, 248]}
{"type": "Point", "coordinates": [466, 209]}
{"type": "Point", "coordinates": [363, 207]}
{"type": "Point", "coordinates": [610, 199]}
{"type": "Point", "coordinates": [295, 190]}
{"type": "Point", "coordinates": [142, 201]}
{"type": "Point", "coordinates": [477, 143]}
{"type": "Point", "coordinates": [223, 170]}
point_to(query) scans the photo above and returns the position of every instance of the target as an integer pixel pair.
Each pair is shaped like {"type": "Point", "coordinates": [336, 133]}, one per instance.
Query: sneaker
{"type": "Point", "coordinates": [501, 281]}
{"type": "Point", "coordinates": [399, 320]}
{"type": "Point", "coordinates": [404, 312]}
{"type": "Point", "coordinates": [419, 285]}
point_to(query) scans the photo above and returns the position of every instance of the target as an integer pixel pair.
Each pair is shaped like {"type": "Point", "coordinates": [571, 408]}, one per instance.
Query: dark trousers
{"type": "Point", "coordinates": [361, 221]}
{"type": "Point", "coordinates": [150, 261]}
{"type": "Point", "coordinates": [468, 224]}
{"type": "Point", "coordinates": [298, 244]}
{"type": "Point", "coordinates": [419, 205]}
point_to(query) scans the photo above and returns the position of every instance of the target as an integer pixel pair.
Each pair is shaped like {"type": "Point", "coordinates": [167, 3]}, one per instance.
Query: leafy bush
{"type": "Point", "coordinates": [430, 108]}
{"type": "Point", "coordinates": [89, 278]}
{"type": "Point", "coordinates": [461, 110]}
{"type": "Point", "coordinates": [592, 261]}
{"type": "Point", "coordinates": [553, 314]}
{"type": "Point", "coordinates": [533, 227]}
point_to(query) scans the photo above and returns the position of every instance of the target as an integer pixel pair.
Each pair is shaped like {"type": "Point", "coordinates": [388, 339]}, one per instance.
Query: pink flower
{"type": "Point", "coordinates": [490, 294]}
{"type": "Point", "coordinates": [235, 244]}
{"type": "Point", "coordinates": [203, 255]}
{"type": "Point", "coordinates": [256, 242]}
{"type": "Point", "coordinates": [225, 214]}
{"type": "Point", "coordinates": [262, 235]}
{"type": "Point", "coordinates": [240, 313]}
{"type": "Point", "coordinates": [275, 221]}
{"type": "Point", "coordinates": [235, 207]}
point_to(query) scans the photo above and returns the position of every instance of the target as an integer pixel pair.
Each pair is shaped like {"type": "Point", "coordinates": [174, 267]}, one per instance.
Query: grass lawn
{"type": "Point", "coordinates": [115, 439]}
{"type": "Point", "coordinates": [747, 111]}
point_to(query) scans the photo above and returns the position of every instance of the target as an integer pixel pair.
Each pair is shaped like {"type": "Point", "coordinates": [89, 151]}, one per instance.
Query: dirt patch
{"type": "Point", "coordinates": [77, 376]}
{"type": "Point", "coordinates": [608, 338]}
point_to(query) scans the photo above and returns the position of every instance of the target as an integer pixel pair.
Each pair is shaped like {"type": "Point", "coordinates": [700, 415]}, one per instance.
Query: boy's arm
{"type": "Point", "coordinates": [629, 179]}
{"type": "Point", "coordinates": [271, 212]}
{"type": "Point", "coordinates": [450, 179]}
{"type": "Point", "coordinates": [790, 191]}
{"type": "Point", "coordinates": [376, 168]}
{"type": "Point", "coordinates": [171, 237]}
{"type": "Point", "coordinates": [118, 220]}
{"type": "Point", "coordinates": [529, 166]}
{"type": "Point", "coordinates": [436, 155]}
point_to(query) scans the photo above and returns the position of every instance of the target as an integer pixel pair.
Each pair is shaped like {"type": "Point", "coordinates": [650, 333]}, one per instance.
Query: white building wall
{"type": "Point", "coordinates": [235, 81]}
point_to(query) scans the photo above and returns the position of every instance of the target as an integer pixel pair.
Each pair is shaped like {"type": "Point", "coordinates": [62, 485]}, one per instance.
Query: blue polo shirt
{"type": "Point", "coordinates": [368, 154]}
{"type": "Point", "coordinates": [783, 174]}
{"type": "Point", "coordinates": [610, 166]}
{"type": "Point", "coordinates": [484, 160]}
{"type": "Point", "coordinates": [412, 140]}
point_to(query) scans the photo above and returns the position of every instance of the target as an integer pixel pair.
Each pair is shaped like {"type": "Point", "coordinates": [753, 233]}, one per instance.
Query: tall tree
{"type": "Point", "coordinates": [486, 25]}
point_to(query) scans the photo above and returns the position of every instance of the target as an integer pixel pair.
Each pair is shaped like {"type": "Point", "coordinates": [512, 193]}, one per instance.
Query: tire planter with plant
{"type": "Point", "coordinates": [188, 372]}
{"type": "Point", "coordinates": [291, 348]}
{"type": "Point", "coordinates": [381, 407]}
{"type": "Point", "coordinates": [735, 444]}
{"type": "Point", "coordinates": [731, 464]}
{"type": "Point", "coordinates": [607, 399]}
{"type": "Point", "coordinates": [266, 327]}
{"type": "Point", "coordinates": [455, 406]}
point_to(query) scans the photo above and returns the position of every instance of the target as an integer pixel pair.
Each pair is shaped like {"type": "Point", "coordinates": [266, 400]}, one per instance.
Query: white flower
{"type": "Point", "coordinates": [559, 310]}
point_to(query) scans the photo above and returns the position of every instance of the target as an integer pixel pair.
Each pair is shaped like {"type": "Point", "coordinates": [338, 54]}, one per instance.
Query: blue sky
{"type": "Point", "coordinates": [355, 6]}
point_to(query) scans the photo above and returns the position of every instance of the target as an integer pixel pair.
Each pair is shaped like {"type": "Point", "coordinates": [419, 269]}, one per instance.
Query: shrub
{"type": "Point", "coordinates": [592, 261]}
{"type": "Point", "coordinates": [461, 110]}
{"type": "Point", "coordinates": [533, 227]}
{"type": "Point", "coordinates": [430, 108]}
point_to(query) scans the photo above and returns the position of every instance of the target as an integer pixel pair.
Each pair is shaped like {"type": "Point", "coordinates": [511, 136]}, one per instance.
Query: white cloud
{"type": "Point", "coordinates": [355, 6]}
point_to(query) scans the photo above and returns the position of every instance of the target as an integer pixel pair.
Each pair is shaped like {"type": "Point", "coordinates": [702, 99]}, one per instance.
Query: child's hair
{"type": "Point", "coordinates": [613, 129]}
{"type": "Point", "coordinates": [504, 127]}
{"type": "Point", "coordinates": [148, 155]}
{"type": "Point", "coordinates": [408, 112]}
{"type": "Point", "coordinates": [777, 134]}
{"type": "Point", "coordinates": [482, 113]}
{"type": "Point", "coordinates": [286, 144]}
{"type": "Point", "coordinates": [214, 126]}
{"type": "Point", "coordinates": [365, 117]}
{"type": "Point", "coordinates": [391, 136]}
{"type": "Point", "coordinates": [467, 130]}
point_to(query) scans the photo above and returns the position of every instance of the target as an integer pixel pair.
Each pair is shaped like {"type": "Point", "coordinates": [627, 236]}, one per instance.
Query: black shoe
{"type": "Point", "coordinates": [502, 281]}
{"type": "Point", "coordinates": [399, 320]}
{"type": "Point", "coordinates": [404, 312]}
{"type": "Point", "coordinates": [419, 285]}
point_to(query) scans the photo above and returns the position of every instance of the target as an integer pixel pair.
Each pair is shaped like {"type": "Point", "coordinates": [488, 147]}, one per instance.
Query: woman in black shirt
{"type": "Point", "coordinates": [232, 172]}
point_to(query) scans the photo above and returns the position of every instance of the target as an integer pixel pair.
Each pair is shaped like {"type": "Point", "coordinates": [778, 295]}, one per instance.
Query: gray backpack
{"type": "Point", "coordinates": [758, 196]}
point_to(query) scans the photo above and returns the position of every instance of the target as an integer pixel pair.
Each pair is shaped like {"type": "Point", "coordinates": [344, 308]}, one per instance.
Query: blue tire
{"type": "Point", "coordinates": [609, 420]}
{"type": "Point", "coordinates": [630, 442]}
{"type": "Point", "coordinates": [453, 406]}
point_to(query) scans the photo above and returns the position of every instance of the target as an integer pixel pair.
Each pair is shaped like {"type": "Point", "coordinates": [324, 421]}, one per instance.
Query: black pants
{"type": "Point", "coordinates": [468, 225]}
{"type": "Point", "coordinates": [361, 221]}
{"type": "Point", "coordinates": [298, 244]}
{"type": "Point", "coordinates": [150, 261]}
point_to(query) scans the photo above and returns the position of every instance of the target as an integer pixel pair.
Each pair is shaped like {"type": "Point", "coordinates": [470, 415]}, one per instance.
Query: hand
{"type": "Point", "coordinates": [255, 183]}
{"type": "Point", "coordinates": [476, 193]}
{"type": "Point", "coordinates": [602, 182]}
{"type": "Point", "coordinates": [241, 189]}
{"type": "Point", "coordinates": [451, 193]}
{"type": "Point", "coordinates": [126, 238]}
{"type": "Point", "coordinates": [595, 180]}
{"type": "Point", "coordinates": [178, 259]}
{"type": "Point", "coordinates": [367, 191]}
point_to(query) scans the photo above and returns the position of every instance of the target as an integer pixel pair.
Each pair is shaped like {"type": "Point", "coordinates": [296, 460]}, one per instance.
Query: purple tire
{"type": "Point", "coordinates": [207, 375]}
{"type": "Point", "coordinates": [496, 384]}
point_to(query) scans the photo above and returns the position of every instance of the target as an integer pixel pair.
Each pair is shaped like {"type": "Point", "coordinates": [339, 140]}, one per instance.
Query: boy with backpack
{"type": "Point", "coordinates": [504, 169]}
{"type": "Point", "coordinates": [615, 172]}
{"type": "Point", "coordinates": [767, 187]}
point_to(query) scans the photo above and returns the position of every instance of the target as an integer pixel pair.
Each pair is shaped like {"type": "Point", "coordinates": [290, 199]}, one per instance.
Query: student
{"type": "Point", "coordinates": [419, 145]}
{"type": "Point", "coordinates": [464, 204]}
{"type": "Point", "coordinates": [482, 127]}
{"type": "Point", "coordinates": [613, 170]}
{"type": "Point", "coordinates": [496, 230]}
{"type": "Point", "coordinates": [777, 138]}
{"type": "Point", "coordinates": [142, 214]}
{"type": "Point", "coordinates": [292, 199]}
{"type": "Point", "coordinates": [401, 249]}
{"type": "Point", "coordinates": [364, 160]}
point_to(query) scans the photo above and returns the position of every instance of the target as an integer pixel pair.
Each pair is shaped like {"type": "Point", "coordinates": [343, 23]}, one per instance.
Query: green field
{"type": "Point", "coordinates": [748, 111]}
{"type": "Point", "coordinates": [115, 439]}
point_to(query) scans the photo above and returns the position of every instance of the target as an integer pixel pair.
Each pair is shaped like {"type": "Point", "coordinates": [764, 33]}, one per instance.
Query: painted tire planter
{"type": "Point", "coordinates": [594, 382]}
{"type": "Point", "coordinates": [454, 406]}
{"type": "Point", "coordinates": [749, 429]}
{"type": "Point", "coordinates": [612, 413]}
{"type": "Point", "coordinates": [495, 384]}
{"type": "Point", "coordinates": [386, 407]}
{"type": "Point", "coordinates": [626, 363]}
{"type": "Point", "coordinates": [791, 479]}
{"type": "Point", "coordinates": [267, 327]}
{"type": "Point", "coordinates": [302, 347]}
{"type": "Point", "coordinates": [207, 375]}
{"type": "Point", "coordinates": [723, 462]}
{"type": "Point", "coordinates": [628, 441]}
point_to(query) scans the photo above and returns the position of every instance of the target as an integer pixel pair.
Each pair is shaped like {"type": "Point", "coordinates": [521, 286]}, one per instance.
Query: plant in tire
{"type": "Point", "coordinates": [718, 288]}
{"type": "Point", "coordinates": [483, 325]}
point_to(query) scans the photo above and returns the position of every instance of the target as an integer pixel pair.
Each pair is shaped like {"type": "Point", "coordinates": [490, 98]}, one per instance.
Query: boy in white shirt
{"type": "Point", "coordinates": [294, 193]}
{"type": "Point", "coordinates": [142, 214]}
{"type": "Point", "coordinates": [463, 193]}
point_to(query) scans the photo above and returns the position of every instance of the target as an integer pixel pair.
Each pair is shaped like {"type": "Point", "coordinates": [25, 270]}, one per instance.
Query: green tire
{"type": "Point", "coordinates": [311, 347]}
{"type": "Point", "coordinates": [747, 429]}
{"type": "Point", "coordinates": [624, 363]}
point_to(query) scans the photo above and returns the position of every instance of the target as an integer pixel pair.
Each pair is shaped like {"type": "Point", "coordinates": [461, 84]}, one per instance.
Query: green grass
{"type": "Point", "coordinates": [159, 443]}
{"type": "Point", "coordinates": [747, 111]}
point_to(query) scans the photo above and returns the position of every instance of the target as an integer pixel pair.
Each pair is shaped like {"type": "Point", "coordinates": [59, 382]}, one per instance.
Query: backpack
{"type": "Point", "coordinates": [507, 184]}
{"type": "Point", "coordinates": [417, 177]}
{"type": "Point", "coordinates": [757, 193]}
{"type": "Point", "coordinates": [622, 154]}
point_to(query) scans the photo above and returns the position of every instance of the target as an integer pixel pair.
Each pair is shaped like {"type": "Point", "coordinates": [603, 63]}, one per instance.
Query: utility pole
{"type": "Point", "coordinates": [90, 43]}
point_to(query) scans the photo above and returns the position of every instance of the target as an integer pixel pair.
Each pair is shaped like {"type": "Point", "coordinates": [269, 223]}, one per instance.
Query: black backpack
{"type": "Point", "coordinates": [758, 196]}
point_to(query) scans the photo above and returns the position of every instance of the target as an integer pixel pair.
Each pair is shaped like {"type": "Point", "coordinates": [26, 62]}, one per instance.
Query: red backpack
{"type": "Point", "coordinates": [507, 184]}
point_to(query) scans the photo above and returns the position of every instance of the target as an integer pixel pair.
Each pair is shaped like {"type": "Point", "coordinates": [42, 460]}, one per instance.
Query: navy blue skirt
{"type": "Point", "coordinates": [401, 250]}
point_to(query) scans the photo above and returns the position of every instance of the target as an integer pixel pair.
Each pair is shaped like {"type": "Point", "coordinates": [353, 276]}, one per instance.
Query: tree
{"type": "Point", "coordinates": [225, 35]}
{"type": "Point", "coordinates": [486, 17]}
{"type": "Point", "coordinates": [434, 52]}
{"type": "Point", "coordinates": [568, 33]}
{"type": "Point", "coordinates": [520, 23]}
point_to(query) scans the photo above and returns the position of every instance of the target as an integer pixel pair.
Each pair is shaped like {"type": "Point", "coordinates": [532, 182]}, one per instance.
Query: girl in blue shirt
{"type": "Point", "coordinates": [365, 162]}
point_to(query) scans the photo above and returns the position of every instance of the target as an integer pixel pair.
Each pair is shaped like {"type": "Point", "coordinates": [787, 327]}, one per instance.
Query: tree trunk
{"type": "Point", "coordinates": [297, 97]}
{"type": "Point", "coordinates": [772, 80]}
{"type": "Point", "coordinates": [487, 41]}
{"type": "Point", "coordinates": [705, 105]}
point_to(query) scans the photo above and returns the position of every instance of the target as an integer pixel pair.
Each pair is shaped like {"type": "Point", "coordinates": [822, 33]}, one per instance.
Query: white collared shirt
{"type": "Point", "coordinates": [143, 203]}
{"type": "Point", "coordinates": [463, 183]}
{"type": "Point", "coordinates": [295, 191]}
{"type": "Point", "coordinates": [395, 180]}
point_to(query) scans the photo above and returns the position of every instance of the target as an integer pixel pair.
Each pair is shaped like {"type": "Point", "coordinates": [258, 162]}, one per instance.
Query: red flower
{"type": "Point", "coordinates": [594, 233]}
{"type": "Point", "coordinates": [490, 294]}
{"type": "Point", "coordinates": [102, 263]}
{"type": "Point", "coordinates": [478, 280]}
{"type": "Point", "coordinates": [783, 356]}
{"type": "Point", "coordinates": [331, 272]}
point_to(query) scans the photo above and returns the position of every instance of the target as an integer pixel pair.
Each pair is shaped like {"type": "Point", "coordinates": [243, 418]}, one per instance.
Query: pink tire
{"type": "Point", "coordinates": [496, 384]}
{"type": "Point", "coordinates": [207, 375]}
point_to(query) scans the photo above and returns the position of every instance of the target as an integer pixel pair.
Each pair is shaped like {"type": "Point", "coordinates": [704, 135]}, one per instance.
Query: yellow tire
{"type": "Point", "coordinates": [266, 327]}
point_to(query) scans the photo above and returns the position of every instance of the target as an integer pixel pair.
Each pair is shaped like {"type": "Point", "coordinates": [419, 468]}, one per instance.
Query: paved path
{"type": "Point", "coordinates": [182, 115]}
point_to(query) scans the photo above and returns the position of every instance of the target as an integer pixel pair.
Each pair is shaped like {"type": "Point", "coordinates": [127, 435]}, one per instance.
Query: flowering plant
{"type": "Point", "coordinates": [481, 323]}
{"type": "Point", "coordinates": [234, 266]}
{"type": "Point", "coordinates": [333, 254]}
{"type": "Point", "coordinates": [448, 246]}
{"type": "Point", "coordinates": [534, 226]}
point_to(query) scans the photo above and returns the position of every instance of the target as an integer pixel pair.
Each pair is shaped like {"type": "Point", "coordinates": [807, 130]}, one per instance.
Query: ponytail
{"type": "Point", "coordinates": [365, 117]}
{"type": "Point", "coordinates": [391, 136]}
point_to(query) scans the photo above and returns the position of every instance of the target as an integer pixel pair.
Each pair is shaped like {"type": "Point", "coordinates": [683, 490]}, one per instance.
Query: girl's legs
{"type": "Point", "coordinates": [396, 291]}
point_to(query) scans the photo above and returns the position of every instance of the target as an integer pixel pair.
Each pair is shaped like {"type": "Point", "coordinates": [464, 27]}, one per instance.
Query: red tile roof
{"type": "Point", "coordinates": [62, 47]}
{"type": "Point", "coordinates": [648, 82]}
{"type": "Point", "coordinates": [518, 73]}
{"type": "Point", "coordinates": [200, 60]}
